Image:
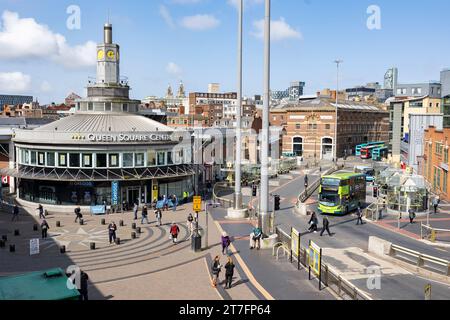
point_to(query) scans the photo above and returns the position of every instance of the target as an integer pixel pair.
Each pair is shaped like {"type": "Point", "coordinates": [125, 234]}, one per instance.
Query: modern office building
{"type": "Point", "coordinates": [14, 100]}
{"type": "Point", "coordinates": [105, 152]}
{"type": "Point", "coordinates": [431, 89]}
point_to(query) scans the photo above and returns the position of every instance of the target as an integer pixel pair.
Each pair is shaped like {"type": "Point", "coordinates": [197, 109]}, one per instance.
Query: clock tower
{"type": "Point", "coordinates": [108, 71]}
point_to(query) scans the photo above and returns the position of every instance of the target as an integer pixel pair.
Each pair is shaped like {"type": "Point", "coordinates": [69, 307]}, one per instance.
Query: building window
{"type": "Point", "coordinates": [113, 160]}
{"type": "Point", "coordinates": [33, 158]}
{"type": "Point", "coordinates": [101, 160]}
{"type": "Point", "coordinates": [125, 107]}
{"type": "Point", "coordinates": [74, 160]}
{"type": "Point", "coordinates": [327, 126]}
{"type": "Point", "coordinates": [297, 146]}
{"type": "Point", "coordinates": [90, 106]}
{"type": "Point", "coordinates": [62, 160]}
{"type": "Point", "coordinates": [444, 182]}
{"type": "Point", "coordinates": [108, 106]}
{"type": "Point", "coordinates": [161, 158]}
{"type": "Point", "coordinates": [41, 158]}
{"type": "Point", "coordinates": [169, 158]}
{"type": "Point", "coordinates": [151, 158]}
{"type": "Point", "coordinates": [139, 160]}
{"type": "Point", "coordinates": [127, 160]}
{"type": "Point", "coordinates": [87, 160]}
{"type": "Point", "coordinates": [298, 126]}
{"type": "Point", "coordinates": [50, 159]}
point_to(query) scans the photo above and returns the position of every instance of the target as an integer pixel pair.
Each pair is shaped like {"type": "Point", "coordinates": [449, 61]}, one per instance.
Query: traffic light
{"type": "Point", "coordinates": [375, 191]}
{"type": "Point", "coordinates": [254, 190]}
{"type": "Point", "coordinates": [277, 203]}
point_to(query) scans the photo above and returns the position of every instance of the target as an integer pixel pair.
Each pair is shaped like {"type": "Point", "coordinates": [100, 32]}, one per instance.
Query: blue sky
{"type": "Point", "coordinates": [163, 41]}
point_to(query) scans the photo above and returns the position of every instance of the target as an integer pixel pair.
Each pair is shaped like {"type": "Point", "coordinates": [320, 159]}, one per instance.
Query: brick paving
{"type": "Point", "coordinates": [149, 267]}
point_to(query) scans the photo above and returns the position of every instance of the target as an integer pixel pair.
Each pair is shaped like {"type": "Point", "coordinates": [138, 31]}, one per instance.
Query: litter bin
{"type": "Point", "coordinates": [196, 243]}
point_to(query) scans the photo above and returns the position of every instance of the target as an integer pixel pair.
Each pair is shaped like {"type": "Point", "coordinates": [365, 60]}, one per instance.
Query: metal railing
{"type": "Point", "coordinates": [224, 202]}
{"type": "Point", "coordinates": [330, 277]}
{"type": "Point", "coordinates": [429, 233]}
{"type": "Point", "coordinates": [421, 259]}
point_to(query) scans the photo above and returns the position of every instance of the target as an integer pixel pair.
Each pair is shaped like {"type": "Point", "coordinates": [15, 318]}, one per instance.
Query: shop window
{"type": "Point", "coordinates": [139, 160]}
{"type": "Point", "coordinates": [151, 158]}
{"type": "Point", "coordinates": [169, 158]}
{"type": "Point", "coordinates": [33, 157]}
{"type": "Point", "coordinates": [74, 160]}
{"type": "Point", "coordinates": [87, 160]}
{"type": "Point", "coordinates": [101, 160]}
{"type": "Point", "coordinates": [113, 160]}
{"type": "Point", "coordinates": [125, 107]}
{"type": "Point", "coordinates": [25, 156]}
{"type": "Point", "coordinates": [41, 158]}
{"type": "Point", "coordinates": [108, 106]}
{"type": "Point", "coordinates": [62, 160]}
{"type": "Point", "coordinates": [127, 160]}
{"type": "Point", "coordinates": [50, 159]}
{"type": "Point", "coordinates": [161, 158]}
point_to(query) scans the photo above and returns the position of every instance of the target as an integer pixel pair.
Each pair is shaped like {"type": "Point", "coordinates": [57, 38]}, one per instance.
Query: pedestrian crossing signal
{"type": "Point", "coordinates": [277, 203]}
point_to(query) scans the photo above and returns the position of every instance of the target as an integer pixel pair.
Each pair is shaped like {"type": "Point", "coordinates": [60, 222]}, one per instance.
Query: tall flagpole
{"type": "Point", "coordinates": [264, 216]}
{"type": "Point", "coordinates": [237, 165]}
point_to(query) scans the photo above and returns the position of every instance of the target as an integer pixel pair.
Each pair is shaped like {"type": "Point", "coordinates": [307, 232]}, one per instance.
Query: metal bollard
{"type": "Point", "coordinates": [103, 222]}
{"type": "Point", "coordinates": [17, 232]}
{"type": "Point", "coordinates": [117, 241]}
{"type": "Point", "coordinates": [92, 245]}
{"type": "Point", "coordinates": [2, 243]}
{"type": "Point", "coordinates": [58, 224]}
{"type": "Point", "coordinates": [5, 238]}
{"type": "Point", "coordinates": [139, 230]}
{"type": "Point", "coordinates": [121, 223]}
{"type": "Point", "coordinates": [12, 248]}
{"type": "Point", "coordinates": [81, 222]}
{"type": "Point", "coordinates": [133, 235]}
{"type": "Point", "coordinates": [62, 249]}
{"type": "Point", "coordinates": [133, 226]}
{"type": "Point", "coordinates": [35, 227]}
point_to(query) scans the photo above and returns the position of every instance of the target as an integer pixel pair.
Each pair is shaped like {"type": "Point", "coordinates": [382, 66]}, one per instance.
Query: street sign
{"type": "Point", "coordinates": [315, 261]}
{"type": "Point", "coordinates": [197, 205]}
{"type": "Point", "coordinates": [34, 247]}
{"type": "Point", "coordinates": [428, 292]}
{"type": "Point", "coordinates": [115, 193]}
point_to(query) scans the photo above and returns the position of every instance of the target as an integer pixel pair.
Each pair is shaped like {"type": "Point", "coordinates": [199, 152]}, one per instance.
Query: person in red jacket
{"type": "Point", "coordinates": [174, 231]}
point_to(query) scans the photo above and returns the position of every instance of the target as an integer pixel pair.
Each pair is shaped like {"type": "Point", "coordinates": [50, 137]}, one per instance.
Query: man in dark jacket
{"type": "Point", "coordinates": [44, 228]}
{"type": "Point", "coordinates": [41, 211]}
{"type": "Point", "coordinates": [112, 228]}
{"type": "Point", "coordinates": [326, 226]}
{"type": "Point", "coordinates": [78, 214]}
{"type": "Point", "coordinates": [15, 213]}
{"type": "Point", "coordinates": [229, 272]}
{"type": "Point", "coordinates": [359, 214]}
{"type": "Point", "coordinates": [83, 286]}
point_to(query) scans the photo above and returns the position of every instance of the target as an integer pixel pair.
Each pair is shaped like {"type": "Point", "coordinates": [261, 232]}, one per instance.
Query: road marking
{"type": "Point", "coordinates": [246, 270]}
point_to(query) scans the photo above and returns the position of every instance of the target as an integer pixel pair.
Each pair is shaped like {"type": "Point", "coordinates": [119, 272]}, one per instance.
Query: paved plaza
{"type": "Point", "coordinates": [149, 267]}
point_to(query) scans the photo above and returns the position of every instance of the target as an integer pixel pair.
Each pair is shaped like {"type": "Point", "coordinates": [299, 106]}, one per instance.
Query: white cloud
{"type": "Point", "coordinates": [165, 14]}
{"type": "Point", "coordinates": [46, 86]}
{"type": "Point", "coordinates": [14, 82]}
{"type": "Point", "coordinates": [279, 30]}
{"type": "Point", "coordinates": [24, 38]}
{"type": "Point", "coordinates": [200, 22]}
{"type": "Point", "coordinates": [173, 69]}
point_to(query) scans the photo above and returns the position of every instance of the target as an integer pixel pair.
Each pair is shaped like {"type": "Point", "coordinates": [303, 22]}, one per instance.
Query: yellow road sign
{"type": "Point", "coordinates": [315, 258]}
{"type": "Point", "coordinates": [197, 205]}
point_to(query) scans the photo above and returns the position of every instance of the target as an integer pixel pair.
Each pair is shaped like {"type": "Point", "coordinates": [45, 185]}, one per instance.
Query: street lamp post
{"type": "Point", "coordinates": [237, 165]}
{"type": "Point", "coordinates": [338, 62]}
{"type": "Point", "coordinates": [264, 221]}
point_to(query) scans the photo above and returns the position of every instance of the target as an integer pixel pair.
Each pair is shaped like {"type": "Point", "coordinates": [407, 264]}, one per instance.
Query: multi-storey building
{"type": "Point", "coordinates": [6, 99]}
{"type": "Point", "coordinates": [309, 126]}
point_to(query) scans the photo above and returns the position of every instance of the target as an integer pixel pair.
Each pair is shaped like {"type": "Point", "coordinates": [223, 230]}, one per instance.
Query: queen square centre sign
{"type": "Point", "coordinates": [129, 137]}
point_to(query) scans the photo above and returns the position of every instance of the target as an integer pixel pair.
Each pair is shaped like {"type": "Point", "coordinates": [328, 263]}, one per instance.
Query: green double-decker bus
{"type": "Point", "coordinates": [342, 193]}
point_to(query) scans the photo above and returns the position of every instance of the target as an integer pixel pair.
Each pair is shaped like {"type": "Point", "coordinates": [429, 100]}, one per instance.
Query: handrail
{"type": "Point", "coordinates": [432, 232]}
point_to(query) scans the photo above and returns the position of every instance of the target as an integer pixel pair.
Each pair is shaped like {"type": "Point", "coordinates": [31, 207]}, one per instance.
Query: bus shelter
{"type": "Point", "coordinates": [405, 192]}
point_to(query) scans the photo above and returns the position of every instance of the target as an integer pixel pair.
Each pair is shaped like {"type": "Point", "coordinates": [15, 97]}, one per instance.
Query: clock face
{"type": "Point", "coordinates": [100, 54]}
{"type": "Point", "coordinates": [111, 55]}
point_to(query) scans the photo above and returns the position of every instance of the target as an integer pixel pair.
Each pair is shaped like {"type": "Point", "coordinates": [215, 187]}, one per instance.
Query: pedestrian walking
{"type": "Point", "coordinates": [359, 214]}
{"type": "Point", "coordinates": [83, 286]}
{"type": "Point", "coordinates": [144, 215]}
{"type": "Point", "coordinates": [229, 272]}
{"type": "Point", "coordinates": [15, 213]}
{"type": "Point", "coordinates": [326, 226]}
{"type": "Point", "coordinates": [78, 214]}
{"type": "Point", "coordinates": [158, 215]}
{"type": "Point", "coordinates": [174, 202]}
{"type": "Point", "coordinates": [165, 203]}
{"type": "Point", "coordinates": [41, 211]}
{"type": "Point", "coordinates": [112, 228]}
{"type": "Point", "coordinates": [174, 231]}
{"type": "Point", "coordinates": [306, 181]}
{"type": "Point", "coordinates": [215, 269]}
{"type": "Point", "coordinates": [256, 236]}
{"type": "Point", "coordinates": [190, 223]}
{"type": "Point", "coordinates": [135, 211]}
{"type": "Point", "coordinates": [412, 215]}
{"type": "Point", "coordinates": [44, 228]}
{"type": "Point", "coordinates": [225, 243]}
{"type": "Point", "coordinates": [436, 201]}
{"type": "Point", "coordinates": [313, 222]}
